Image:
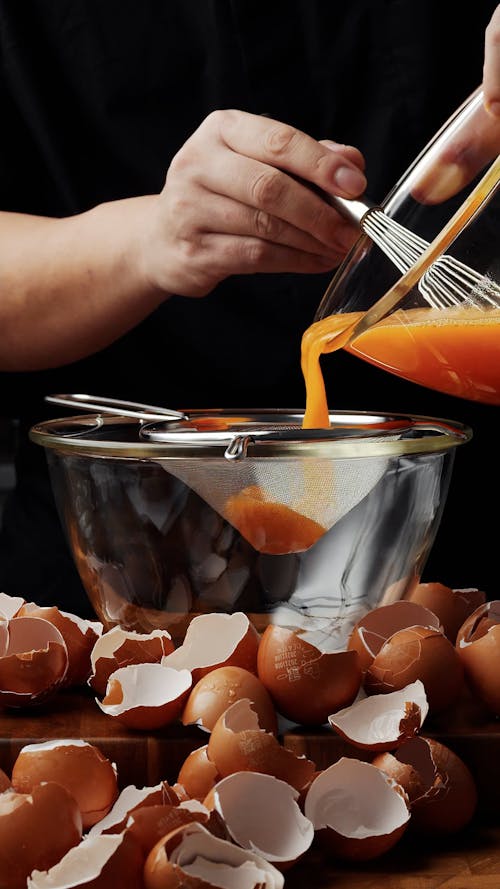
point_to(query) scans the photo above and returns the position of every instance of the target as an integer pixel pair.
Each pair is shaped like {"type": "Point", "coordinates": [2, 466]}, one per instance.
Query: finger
{"type": "Point", "coordinates": [349, 151]}
{"type": "Point", "coordinates": [491, 70]}
{"type": "Point", "coordinates": [286, 148]}
{"type": "Point", "coordinates": [229, 255]}
{"type": "Point", "coordinates": [274, 198]}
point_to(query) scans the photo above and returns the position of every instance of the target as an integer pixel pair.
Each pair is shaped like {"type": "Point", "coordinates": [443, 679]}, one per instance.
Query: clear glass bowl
{"type": "Point", "coordinates": [144, 508]}
{"type": "Point", "coordinates": [448, 342]}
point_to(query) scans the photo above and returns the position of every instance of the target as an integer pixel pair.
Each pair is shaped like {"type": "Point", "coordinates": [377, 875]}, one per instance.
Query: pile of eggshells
{"type": "Point", "coordinates": [243, 808]}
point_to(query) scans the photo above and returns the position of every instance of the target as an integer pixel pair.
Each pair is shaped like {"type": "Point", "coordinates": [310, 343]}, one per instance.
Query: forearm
{"type": "Point", "coordinates": [69, 287]}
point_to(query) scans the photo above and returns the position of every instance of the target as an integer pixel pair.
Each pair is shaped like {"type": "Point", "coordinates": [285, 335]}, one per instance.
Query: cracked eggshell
{"type": "Point", "coordinates": [216, 640]}
{"type": "Point", "coordinates": [149, 824]}
{"type": "Point", "coordinates": [36, 830]}
{"type": "Point", "coordinates": [357, 811]}
{"type": "Point", "coordinates": [10, 605]}
{"type": "Point", "coordinates": [239, 744]}
{"type": "Point", "coordinates": [5, 781]}
{"type": "Point", "coordinates": [268, 822]}
{"type": "Point", "coordinates": [98, 862]}
{"type": "Point", "coordinates": [418, 653]}
{"type": "Point", "coordinates": [305, 683]}
{"type": "Point", "coordinates": [33, 661]}
{"type": "Point", "coordinates": [371, 632]}
{"type": "Point", "coordinates": [198, 774]}
{"type": "Point", "coordinates": [192, 857]}
{"type": "Point", "coordinates": [478, 647]}
{"type": "Point", "coordinates": [129, 799]}
{"type": "Point", "coordinates": [441, 788]}
{"type": "Point", "coordinates": [78, 766]}
{"type": "Point", "coordinates": [79, 635]}
{"type": "Point", "coordinates": [146, 696]}
{"type": "Point", "coordinates": [385, 721]}
{"type": "Point", "coordinates": [220, 688]}
{"type": "Point", "coordinates": [452, 606]}
{"type": "Point", "coordinates": [119, 648]}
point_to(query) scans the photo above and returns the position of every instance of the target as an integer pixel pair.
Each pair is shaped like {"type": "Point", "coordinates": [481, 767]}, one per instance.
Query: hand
{"type": "Point", "coordinates": [236, 201]}
{"type": "Point", "coordinates": [477, 142]}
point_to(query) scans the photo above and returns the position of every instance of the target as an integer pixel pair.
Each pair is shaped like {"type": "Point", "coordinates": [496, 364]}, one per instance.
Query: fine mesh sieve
{"type": "Point", "coordinates": [283, 487]}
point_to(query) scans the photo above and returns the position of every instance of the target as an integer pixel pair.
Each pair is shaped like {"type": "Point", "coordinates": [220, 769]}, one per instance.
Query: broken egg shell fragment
{"type": "Point", "coordinates": [269, 823]}
{"type": "Point", "coordinates": [119, 648]}
{"type": "Point", "coordinates": [79, 636]}
{"type": "Point", "coordinates": [452, 606]}
{"type": "Point", "coordinates": [78, 766]}
{"type": "Point", "coordinates": [418, 653]}
{"type": "Point", "coordinates": [216, 640]}
{"type": "Point", "coordinates": [198, 774]}
{"type": "Point", "coordinates": [146, 696]}
{"type": "Point", "coordinates": [36, 830]}
{"type": "Point", "coordinates": [10, 605]}
{"type": "Point", "coordinates": [384, 721]}
{"type": "Point", "coordinates": [193, 858]}
{"type": "Point", "coordinates": [99, 862]}
{"type": "Point", "coordinates": [374, 628]}
{"type": "Point", "coordinates": [239, 744]}
{"type": "Point", "coordinates": [306, 684]}
{"type": "Point", "coordinates": [478, 647]}
{"type": "Point", "coordinates": [220, 688]}
{"type": "Point", "coordinates": [128, 800]}
{"type": "Point", "coordinates": [5, 781]}
{"type": "Point", "coordinates": [356, 815]}
{"type": "Point", "coordinates": [441, 788]}
{"type": "Point", "coordinates": [33, 661]}
{"type": "Point", "coordinates": [150, 823]}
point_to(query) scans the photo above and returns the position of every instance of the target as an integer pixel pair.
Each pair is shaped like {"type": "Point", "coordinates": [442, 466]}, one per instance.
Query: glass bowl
{"type": "Point", "coordinates": [149, 510]}
{"type": "Point", "coordinates": [439, 323]}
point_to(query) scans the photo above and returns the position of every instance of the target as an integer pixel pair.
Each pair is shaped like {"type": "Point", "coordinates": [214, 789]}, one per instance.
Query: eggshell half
{"type": "Point", "coordinates": [216, 640]}
{"type": "Point", "coordinates": [372, 630]}
{"type": "Point", "coordinates": [452, 606]}
{"type": "Point", "coordinates": [78, 766]}
{"type": "Point", "coordinates": [220, 688]}
{"type": "Point", "coordinates": [192, 857]}
{"type": "Point", "coordinates": [79, 635]}
{"type": "Point", "coordinates": [146, 696]}
{"type": "Point", "coordinates": [358, 812]}
{"type": "Point", "coordinates": [98, 862]}
{"type": "Point", "coordinates": [306, 684]}
{"type": "Point", "coordinates": [198, 774]}
{"type": "Point", "coordinates": [33, 661]}
{"type": "Point", "coordinates": [239, 744]}
{"type": "Point", "coordinates": [36, 830]}
{"type": "Point", "coordinates": [119, 648]}
{"type": "Point", "coordinates": [385, 721]}
{"type": "Point", "coordinates": [478, 647]}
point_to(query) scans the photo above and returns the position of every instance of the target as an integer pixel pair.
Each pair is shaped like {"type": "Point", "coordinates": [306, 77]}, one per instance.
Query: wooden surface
{"type": "Point", "coordinates": [464, 861]}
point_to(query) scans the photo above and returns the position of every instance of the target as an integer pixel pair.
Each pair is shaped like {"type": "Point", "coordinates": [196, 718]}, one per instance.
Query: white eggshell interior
{"type": "Point", "coordinates": [147, 685]}
{"type": "Point", "coordinates": [210, 639]}
{"type": "Point", "coordinates": [376, 718]}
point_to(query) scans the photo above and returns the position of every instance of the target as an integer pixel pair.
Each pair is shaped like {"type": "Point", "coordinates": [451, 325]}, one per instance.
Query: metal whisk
{"type": "Point", "coordinates": [447, 282]}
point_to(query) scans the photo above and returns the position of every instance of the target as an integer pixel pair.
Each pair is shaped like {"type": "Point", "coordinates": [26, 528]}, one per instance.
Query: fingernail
{"type": "Point", "coordinates": [493, 108]}
{"type": "Point", "coordinates": [350, 180]}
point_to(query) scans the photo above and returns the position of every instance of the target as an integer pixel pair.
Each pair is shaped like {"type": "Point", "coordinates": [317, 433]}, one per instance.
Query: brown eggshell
{"type": "Point", "coordinates": [36, 830]}
{"type": "Point", "coordinates": [99, 862]}
{"type": "Point", "coordinates": [10, 605]}
{"type": "Point", "coordinates": [78, 766]}
{"type": "Point", "coordinates": [383, 721]}
{"type": "Point", "coordinates": [146, 696]}
{"type": "Point", "coordinates": [306, 684]}
{"type": "Point", "coordinates": [215, 640]}
{"type": "Point", "coordinates": [130, 800]}
{"type": "Point", "coordinates": [79, 635]}
{"type": "Point", "coordinates": [149, 824]}
{"type": "Point", "coordinates": [238, 744]}
{"type": "Point", "coordinates": [358, 812]}
{"type": "Point", "coordinates": [33, 661]}
{"type": "Point", "coordinates": [441, 788]}
{"type": "Point", "coordinates": [193, 844]}
{"type": "Point", "coordinates": [478, 646]}
{"type": "Point", "coordinates": [452, 606]}
{"type": "Point", "coordinates": [119, 648]}
{"type": "Point", "coordinates": [418, 653]}
{"type": "Point", "coordinates": [220, 688]}
{"type": "Point", "coordinates": [5, 781]}
{"type": "Point", "coordinates": [197, 774]}
{"type": "Point", "coordinates": [374, 628]}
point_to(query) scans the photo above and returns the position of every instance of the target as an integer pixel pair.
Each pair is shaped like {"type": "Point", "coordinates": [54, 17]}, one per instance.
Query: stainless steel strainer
{"type": "Point", "coordinates": [280, 485]}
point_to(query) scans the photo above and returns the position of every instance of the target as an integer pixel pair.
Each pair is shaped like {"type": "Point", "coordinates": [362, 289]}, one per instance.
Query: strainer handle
{"type": "Point", "coordinates": [116, 406]}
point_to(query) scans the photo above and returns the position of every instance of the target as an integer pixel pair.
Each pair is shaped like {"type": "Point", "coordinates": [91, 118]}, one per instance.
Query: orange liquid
{"type": "Point", "coordinates": [456, 351]}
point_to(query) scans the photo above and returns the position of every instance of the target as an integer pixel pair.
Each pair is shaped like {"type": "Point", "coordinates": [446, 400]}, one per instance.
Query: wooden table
{"type": "Point", "coordinates": [464, 861]}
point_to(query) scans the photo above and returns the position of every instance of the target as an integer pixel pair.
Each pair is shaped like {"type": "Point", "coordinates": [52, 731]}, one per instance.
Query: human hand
{"type": "Point", "coordinates": [452, 165]}
{"type": "Point", "coordinates": [236, 200]}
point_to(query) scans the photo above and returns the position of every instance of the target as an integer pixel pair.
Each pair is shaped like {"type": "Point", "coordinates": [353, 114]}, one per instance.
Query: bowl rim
{"type": "Point", "coordinates": [352, 435]}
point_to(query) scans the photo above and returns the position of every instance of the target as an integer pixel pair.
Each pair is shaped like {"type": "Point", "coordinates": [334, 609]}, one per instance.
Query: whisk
{"type": "Point", "coordinates": [446, 283]}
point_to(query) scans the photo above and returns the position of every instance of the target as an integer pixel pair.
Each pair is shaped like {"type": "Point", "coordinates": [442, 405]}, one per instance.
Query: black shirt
{"type": "Point", "coordinates": [96, 98]}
